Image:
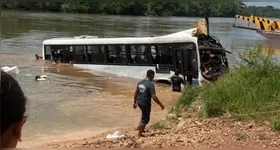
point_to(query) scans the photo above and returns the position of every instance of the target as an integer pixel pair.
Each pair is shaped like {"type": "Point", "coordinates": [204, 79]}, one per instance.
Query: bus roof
{"type": "Point", "coordinates": [179, 37]}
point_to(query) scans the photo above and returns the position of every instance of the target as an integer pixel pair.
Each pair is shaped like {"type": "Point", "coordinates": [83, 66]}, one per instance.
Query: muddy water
{"type": "Point", "coordinates": [75, 103]}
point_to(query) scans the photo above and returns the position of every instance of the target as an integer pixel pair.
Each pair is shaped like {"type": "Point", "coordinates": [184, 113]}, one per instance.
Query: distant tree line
{"type": "Point", "coordinates": [141, 8]}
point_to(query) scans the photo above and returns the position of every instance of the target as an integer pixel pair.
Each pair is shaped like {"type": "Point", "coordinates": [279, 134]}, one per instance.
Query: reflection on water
{"type": "Point", "coordinates": [74, 103]}
{"type": "Point", "coordinates": [270, 51]}
{"type": "Point", "coordinates": [269, 47]}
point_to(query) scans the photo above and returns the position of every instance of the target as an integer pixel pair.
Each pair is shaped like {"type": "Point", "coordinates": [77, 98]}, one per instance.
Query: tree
{"type": "Point", "coordinates": [211, 8]}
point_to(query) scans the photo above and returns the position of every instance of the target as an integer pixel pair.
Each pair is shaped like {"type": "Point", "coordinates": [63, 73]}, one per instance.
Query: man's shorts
{"type": "Point", "coordinates": [146, 111]}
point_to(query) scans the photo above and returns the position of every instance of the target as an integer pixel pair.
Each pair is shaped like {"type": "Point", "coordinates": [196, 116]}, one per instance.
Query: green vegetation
{"type": "Point", "coordinates": [268, 11]}
{"type": "Point", "coordinates": [159, 126]}
{"type": "Point", "coordinates": [276, 125]}
{"type": "Point", "coordinates": [190, 94]}
{"type": "Point", "coordinates": [261, 137]}
{"type": "Point", "coordinates": [251, 91]}
{"type": "Point", "coordinates": [153, 8]}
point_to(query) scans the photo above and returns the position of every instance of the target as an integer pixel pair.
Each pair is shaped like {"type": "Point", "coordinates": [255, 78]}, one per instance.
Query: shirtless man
{"type": "Point", "coordinates": [38, 57]}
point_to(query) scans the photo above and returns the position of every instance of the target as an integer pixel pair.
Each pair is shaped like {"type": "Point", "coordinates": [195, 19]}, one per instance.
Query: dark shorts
{"type": "Point", "coordinates": [146, 111]}
{"type": "Point", "coordinates": [176, 89]}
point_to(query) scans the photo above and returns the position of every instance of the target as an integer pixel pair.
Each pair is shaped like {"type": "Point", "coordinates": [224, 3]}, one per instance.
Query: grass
{"type": "Point", "coordinates": [261, 137]}
{"type": "Point", "coordinates": [251, 91]}
{"type": "Point", "coordinates": [189, 95]}
{"type": "Point", "coordinates": [159, 126]}
{"type": "Point", "coordinates": [276, 125]}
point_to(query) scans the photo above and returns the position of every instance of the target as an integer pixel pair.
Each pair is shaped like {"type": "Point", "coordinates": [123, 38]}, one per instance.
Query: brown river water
{"type": "Point", "coordinates": [74, 103]}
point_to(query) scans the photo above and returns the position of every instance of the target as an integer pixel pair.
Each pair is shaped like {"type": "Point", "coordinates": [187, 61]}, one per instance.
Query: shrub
{"type": "Point", "coordinates": [252, 90]}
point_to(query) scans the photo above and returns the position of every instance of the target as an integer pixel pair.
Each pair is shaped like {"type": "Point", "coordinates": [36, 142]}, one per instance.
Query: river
{"type": "Point", "coordinates": [74, 103]}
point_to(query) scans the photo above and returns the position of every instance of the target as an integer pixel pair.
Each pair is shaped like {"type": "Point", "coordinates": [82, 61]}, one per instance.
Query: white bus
{"type": "Point", "coordinates": [133, 56]}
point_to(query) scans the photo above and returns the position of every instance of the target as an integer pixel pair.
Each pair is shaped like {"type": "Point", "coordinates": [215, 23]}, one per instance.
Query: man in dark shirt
{"type": "Point", "coordinates": [145, 90]}
{"type": "Point", "coordinates": [176, 82]}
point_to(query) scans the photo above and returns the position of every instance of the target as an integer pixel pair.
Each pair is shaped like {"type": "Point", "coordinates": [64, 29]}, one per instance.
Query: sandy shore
{"type": "Point", "coordinates": [209, 133]}
{"type": "Point", "coordinates": [189, 131]}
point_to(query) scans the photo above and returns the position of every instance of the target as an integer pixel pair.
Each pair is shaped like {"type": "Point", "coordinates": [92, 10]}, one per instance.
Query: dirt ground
{"type": "Point", "coordinates": [187, 131]}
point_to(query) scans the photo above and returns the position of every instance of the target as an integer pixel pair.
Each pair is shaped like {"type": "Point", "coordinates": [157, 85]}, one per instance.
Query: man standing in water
{"type": "Point", "coordinates": [176, 82]}
{"type": "Point", "coordinates": [145, 90]}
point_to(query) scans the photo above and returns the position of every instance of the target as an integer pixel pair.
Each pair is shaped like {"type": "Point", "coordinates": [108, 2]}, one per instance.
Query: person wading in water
{"type": "Point", "coordinates": [38, 57]}
{"type": "Point", "coordinates": [145, 90]}
{"type": "Point", "coordinates": [176, 82]}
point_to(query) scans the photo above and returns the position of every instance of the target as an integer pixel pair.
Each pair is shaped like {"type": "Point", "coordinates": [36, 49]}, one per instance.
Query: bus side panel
{"type": "Point", "coordinates": [137, 72]}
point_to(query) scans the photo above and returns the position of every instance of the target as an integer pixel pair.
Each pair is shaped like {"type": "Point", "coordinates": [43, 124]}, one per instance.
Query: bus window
{"type": "Point", "coordinates": [139, 54]}
{"type": "Point", "coordinates": [96, 54]}
{"type": "Point", "coordinates": [48, 53]}
{"type": "Point", "coordinates": [162, 54]}
{"type": "Point", "coordinates": [60, 53]}
{"type": "Point", "coordinates": [79, 54]}
{"type": "Point", "coordinates": [117, 54]}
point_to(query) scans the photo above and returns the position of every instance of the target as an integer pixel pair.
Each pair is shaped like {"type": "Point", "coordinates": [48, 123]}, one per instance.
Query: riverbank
{"type": "Point", "coordinates": [72, 101]}
{"type": "Point", "coordinates": [190, 131]}
{"type": "Point", "coordinates": [103, 100]}
{"type": "Point", "coordinates": [240, 110]}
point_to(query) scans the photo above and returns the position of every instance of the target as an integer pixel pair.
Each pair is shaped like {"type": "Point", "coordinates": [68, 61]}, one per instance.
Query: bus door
{"type": "Point", "coordinates": [162, 57]}
{"type": "Point", "coordinates": [185, 60]}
